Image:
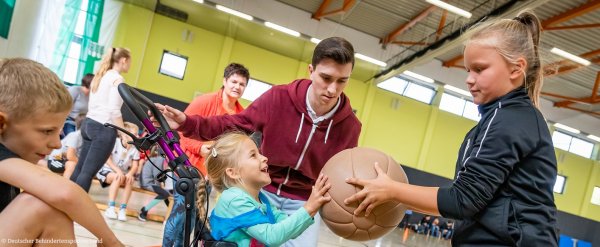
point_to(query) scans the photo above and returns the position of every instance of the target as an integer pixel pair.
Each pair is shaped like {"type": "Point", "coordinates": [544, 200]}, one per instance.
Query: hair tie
{"type": "Point", "coordinates": [213, 152]}
{"type": "Point", "coordinates": [520, 19]}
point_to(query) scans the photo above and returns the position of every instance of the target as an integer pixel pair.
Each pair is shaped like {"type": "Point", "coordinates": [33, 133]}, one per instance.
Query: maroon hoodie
{"type": "Point", "coordinates": [296, 149]}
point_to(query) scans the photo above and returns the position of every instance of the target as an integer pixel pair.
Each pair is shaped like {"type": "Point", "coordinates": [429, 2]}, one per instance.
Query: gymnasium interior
{"type": "Point", "coordinates": [407, 86]}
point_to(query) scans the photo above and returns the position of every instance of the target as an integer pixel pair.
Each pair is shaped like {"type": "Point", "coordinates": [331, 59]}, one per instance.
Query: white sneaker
{"type": "Point", "coordinates": [110, 213]}
{"type": "Point", "coordinates": [122, 215]}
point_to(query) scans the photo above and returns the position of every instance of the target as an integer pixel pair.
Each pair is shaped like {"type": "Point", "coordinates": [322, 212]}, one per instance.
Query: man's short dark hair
{"type": "Point", "coordinates": [336, 48]}
{"type": "Point", "coordinates": [236, 68]}
{"type": "Point", "coordinates": [87, 80]}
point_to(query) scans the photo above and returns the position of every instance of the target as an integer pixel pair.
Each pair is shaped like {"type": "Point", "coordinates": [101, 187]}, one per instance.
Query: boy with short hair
{"type": "Point", "coordinates": [33, 107]}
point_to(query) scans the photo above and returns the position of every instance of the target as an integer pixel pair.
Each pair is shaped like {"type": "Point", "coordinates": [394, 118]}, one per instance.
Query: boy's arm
{"type": "Point", "coordinates": [114, 167]}
{"type": "Point", "coordinates": [70, 199]}
{"type": "Point", "coordinates": [132, 170]}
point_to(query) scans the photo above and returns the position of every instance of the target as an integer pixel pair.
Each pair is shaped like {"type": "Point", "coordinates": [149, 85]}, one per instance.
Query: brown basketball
{"type": "Point", "coordinates": [358, 162]}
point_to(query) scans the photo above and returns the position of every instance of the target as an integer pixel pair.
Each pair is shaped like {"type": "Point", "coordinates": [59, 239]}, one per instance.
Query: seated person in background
{"type": "Point", "coordinates": [447, 229]}
{"type": "Point", "coordinates": [33, 108]}
{"type": "Point", "coordinates": [424, 225]}
{"type": "Point", "coordinates": [80, 95]}
{"type": "Point", "coordinates": [243, 214]}
{"type": "Point", "coordinates": [434, 229]}
{"type": "Point", "coordinates": [64, 159]}
{"type": "Point", "coordinates": [119, 171]}
{"type": "Point", "coordinates": [149, 181]}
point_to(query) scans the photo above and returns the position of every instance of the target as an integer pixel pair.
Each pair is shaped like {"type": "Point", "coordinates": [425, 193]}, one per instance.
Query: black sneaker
{"type": "Point", "coordinates": [142, 215]}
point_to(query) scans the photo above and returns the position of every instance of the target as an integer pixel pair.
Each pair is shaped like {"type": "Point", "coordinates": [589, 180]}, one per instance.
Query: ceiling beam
{"type": "Point", "coordinates": [453, 40]}
{"type": "Point", "coordinates": [597, 114]}
{"type": "Point", "coordinates": [557, 19]}
{"type": "Point", "coordinates": [572, 27]}
{"type": "Point", "coordinates": [348, 4]}
{"type": "Point", "coordinates": [565, 66]}
{"type": "Point", "coordinates": [406, 26]}
{"type": "Point", "coordinates": [409, 43]}
{"type": "Point", "coordinates": [593, 99]}
{"type": "Point", "coordinates": [570, 14]}
{"type": "Point", "coordinates": [441, 25]}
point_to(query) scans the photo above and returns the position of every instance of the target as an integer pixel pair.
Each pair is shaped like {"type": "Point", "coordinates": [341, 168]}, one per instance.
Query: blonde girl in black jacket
{"type": "Point", "coordinates": [506, 167]}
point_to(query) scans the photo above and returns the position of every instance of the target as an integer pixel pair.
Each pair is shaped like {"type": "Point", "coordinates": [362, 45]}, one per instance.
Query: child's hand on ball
{"type": "Point", "coordinates": [317, 197]}
{"type": "Point", "coordinates": [374, 191]}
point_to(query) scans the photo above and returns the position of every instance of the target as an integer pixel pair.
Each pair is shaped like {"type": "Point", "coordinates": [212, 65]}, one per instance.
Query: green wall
{"type": "Point", "coordinates": [414, 134]}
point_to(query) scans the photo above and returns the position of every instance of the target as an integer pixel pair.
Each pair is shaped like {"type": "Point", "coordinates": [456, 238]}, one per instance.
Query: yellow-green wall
{"type": "Point", "coordinates": [415, 134]}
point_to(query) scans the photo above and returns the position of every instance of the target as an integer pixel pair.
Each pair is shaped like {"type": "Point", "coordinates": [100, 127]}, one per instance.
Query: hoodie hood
{"type": "Point", "coordinates": [298, 90]}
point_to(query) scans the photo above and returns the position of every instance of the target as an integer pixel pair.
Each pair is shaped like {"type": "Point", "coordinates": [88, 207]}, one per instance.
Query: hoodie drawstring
{"type": "Point", "coordinates": [300, 128]}
{"type": "Point", "coordinates": [328, 129]}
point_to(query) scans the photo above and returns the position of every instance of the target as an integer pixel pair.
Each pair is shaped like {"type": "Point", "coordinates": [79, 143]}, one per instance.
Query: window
{"type": "Point", "coordinates": [394, 84]}
{"type": "Point", "coordinates": [572, 144]}
{"type": "Point", "coordinates": [405, 87]}
{"type": "Point", "coordinates": [596, 196]}
{"type": "Point", "coordinates": [471, 111]}
{"type": "Point", "coordinates": [173, 65]}
{"type": "Point", "coordinates": [459, 106]}
{"type": "Point", "coordinates": [559, 185]}
{"type": "Point", "coordinates": [255, 89]}
{"type": "Point", "coordinates": [78, 56]}
{"type": "Point", "coordinates": [420, 93]}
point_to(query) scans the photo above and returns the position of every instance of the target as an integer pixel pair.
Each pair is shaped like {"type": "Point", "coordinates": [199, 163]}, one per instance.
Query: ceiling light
{"type": "Point", "coordinates": [315, 40]}
{"type": "Point", "coordinates": [282, 29]}
{"type": "Point", "coordinates": [417, 76]}
{"type": "Point", "coordinates": [593, 137]}
{"type": "Point", "coordinates": [450, 8]}
{"type": "Point", "coordinates": [457, 90]}
{"type": "Point", "coordinates": [234, 12]}
{"type": "Point", "coordinates": [570, 56]}
{"type": "Point", "coordinates": [567, 128]}
{"type": "Point", "coordinates": [370, 60]}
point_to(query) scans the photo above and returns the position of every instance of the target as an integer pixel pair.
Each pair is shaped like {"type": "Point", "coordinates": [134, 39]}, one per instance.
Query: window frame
{"type": "Point", "coordinates": [407, 83]}
{"type": "Point", "coordinates": [160, 65]}
{"type": "Point", "coordinates": [564, 184]}
{"type": "Point", "coordinates": [251, 80]}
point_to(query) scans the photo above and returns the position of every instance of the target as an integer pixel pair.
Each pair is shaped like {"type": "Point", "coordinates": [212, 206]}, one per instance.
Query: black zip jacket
{"type": "Point", "coordinates": [506, 169]}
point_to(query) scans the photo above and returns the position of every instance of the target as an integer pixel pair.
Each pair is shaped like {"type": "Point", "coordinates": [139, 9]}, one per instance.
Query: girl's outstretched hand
{"type": "Point", "coordinates": [374, 191]}
{"type": "Point", "coordinates": [174, 117]}
{"type": "Point", "coordinates": [317, 197]}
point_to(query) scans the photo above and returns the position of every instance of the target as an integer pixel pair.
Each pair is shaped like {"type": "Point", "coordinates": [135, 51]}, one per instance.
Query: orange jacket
{"type": "Point", "coordinates": [204, 105]}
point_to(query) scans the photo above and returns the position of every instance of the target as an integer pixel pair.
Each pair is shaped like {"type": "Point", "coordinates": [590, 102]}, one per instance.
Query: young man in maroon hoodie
{"type": "Point", "coordinates": [303, 124]}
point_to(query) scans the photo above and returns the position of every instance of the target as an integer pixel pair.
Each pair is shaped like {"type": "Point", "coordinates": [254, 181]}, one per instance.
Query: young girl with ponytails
{"type": "Point", "coordinates": [243, 214]}
{"type": "Point", "coordinates": [506, 167]}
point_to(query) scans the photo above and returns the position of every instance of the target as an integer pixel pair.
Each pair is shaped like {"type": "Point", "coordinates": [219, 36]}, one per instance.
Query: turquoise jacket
{"type": "Point", "coordinates": [238, 218]}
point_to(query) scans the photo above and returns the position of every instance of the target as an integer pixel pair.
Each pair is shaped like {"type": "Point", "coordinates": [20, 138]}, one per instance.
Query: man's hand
{"type": "Point", "coordinates": [174, 117]}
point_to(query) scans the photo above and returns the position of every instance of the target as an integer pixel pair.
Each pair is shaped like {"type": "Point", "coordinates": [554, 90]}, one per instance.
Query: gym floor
{"type": "Point", "coordinates": [136, 233]}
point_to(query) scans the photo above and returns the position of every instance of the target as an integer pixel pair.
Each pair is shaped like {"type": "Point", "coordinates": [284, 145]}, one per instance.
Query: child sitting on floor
{"type": "Point", "coordinates": [149, 180]}
{"type": "Point", "coordinates": [119, 171]}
